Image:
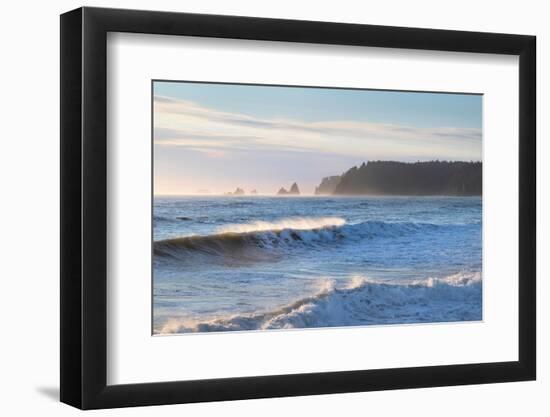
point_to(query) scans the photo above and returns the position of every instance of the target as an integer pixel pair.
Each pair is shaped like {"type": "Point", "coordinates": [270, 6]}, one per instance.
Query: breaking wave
{"type": "Point", "coordinates": [295, 223]}
{"type": "Point", "coordinates": [263, 240]}
{"type": "Point", "coordinates": [360, 301]}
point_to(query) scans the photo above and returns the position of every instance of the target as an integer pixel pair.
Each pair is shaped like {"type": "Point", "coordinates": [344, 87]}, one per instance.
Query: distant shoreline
{"type": "Point", "coordinates": [385, 178]}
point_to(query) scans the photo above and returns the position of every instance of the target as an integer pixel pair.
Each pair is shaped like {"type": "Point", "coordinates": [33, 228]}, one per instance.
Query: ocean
{"type": "Point", "coordinates": [258, 263]}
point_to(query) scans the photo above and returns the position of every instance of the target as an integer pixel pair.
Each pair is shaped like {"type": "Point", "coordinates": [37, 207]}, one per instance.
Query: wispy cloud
{"type": "Point", "coordinates": [188, 124]}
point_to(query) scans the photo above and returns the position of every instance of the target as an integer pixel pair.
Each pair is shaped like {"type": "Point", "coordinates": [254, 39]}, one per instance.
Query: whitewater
{"type": "Point", "coordinates": [261, 263]}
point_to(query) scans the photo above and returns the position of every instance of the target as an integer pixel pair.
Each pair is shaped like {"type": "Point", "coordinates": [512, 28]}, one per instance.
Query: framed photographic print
{"type": "Point", "coordinates": [258, 207]}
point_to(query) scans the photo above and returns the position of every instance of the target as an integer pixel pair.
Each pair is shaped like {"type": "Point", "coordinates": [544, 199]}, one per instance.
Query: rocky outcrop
{"type": "Point", "coordinates": [294, 190]}
{"type": "Point", "coordinates": [238, 191]}
{"type": "Point", "coordinates": [328, 185]}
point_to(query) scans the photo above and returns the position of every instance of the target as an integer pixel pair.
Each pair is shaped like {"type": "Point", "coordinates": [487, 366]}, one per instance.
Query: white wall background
{"type": "Point", "coordinates": [29, 175]}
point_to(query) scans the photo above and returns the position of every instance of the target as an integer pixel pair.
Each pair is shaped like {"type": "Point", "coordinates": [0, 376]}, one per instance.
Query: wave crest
{"type": "Point", "coordinates": [360, 301]}
{"type": "Point", "coordinates": [295, 223]}
{"type": "Point", "coordinates": [266, 240]}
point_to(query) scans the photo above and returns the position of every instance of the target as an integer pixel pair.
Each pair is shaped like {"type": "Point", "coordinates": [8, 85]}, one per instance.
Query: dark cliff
{"type": "Point", "coordinates": [419, 178]}
{"type": "Point", "coordinates": [328, 185]}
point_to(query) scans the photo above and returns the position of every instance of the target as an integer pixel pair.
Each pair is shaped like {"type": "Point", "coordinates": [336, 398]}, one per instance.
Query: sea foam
{"type": "Point", "coordinates": [358, 301]}
{"type": "Point", "coordinates": [295, 223]}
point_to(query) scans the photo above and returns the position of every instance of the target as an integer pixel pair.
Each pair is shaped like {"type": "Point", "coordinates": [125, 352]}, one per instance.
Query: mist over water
{"type": "Point", "coordinates": [258, 263]}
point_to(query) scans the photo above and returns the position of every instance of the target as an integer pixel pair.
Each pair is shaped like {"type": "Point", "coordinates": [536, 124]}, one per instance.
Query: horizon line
{"type": "Point", "coordinates": [317, 195]}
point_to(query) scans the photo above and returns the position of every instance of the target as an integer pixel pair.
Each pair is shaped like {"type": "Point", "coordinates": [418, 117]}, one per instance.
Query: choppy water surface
{"type": "Point", "coordinates": [254, 263]}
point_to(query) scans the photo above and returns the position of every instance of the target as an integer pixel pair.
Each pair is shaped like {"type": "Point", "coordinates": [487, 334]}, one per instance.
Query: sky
{"type": "Point", "coordinates": [212, 138]}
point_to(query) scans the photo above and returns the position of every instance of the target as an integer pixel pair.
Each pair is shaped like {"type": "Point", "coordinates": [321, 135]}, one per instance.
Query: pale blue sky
{"type": "Point", "coordinates": [316, 104]}
{"type": "Point", "coordinates": [222, 136]}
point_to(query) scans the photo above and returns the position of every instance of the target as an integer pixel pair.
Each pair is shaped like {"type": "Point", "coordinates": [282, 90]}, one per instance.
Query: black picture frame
{"type": "Point", "coordinates": [84, 207]}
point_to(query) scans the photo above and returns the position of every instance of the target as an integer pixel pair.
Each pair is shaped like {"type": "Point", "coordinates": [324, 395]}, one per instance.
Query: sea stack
{"type": "Point", "coordinates": [238, 191]}
{"type": "Point", "coordinates": [294, 190]}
